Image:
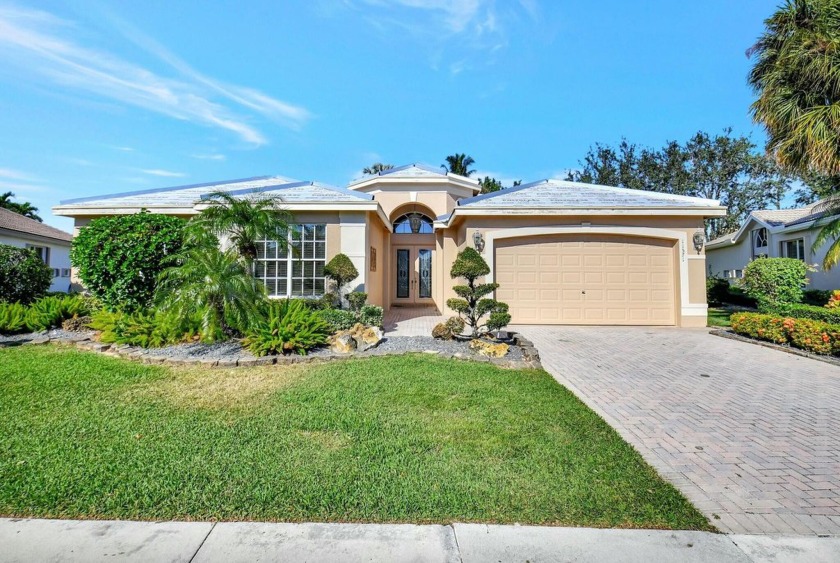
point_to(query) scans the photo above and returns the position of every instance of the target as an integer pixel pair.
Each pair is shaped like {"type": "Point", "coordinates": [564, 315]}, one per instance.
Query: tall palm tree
{"type": "Point", "coordinates": [797, 79]}
{"type": "Point", "coordinates": [213, 284]}
{"type": "Point", "coordinates": [26, 209]}
{"type": "Point", "coordinates": [243, 222]}
{"type": "Point", "coordinates": [377, 167]}
{"type": "Point", "coordinates": [459, 164]}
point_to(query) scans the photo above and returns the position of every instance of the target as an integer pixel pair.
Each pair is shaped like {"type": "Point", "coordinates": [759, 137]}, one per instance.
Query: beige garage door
{"type": "Point", "coordinates": [590, 280]}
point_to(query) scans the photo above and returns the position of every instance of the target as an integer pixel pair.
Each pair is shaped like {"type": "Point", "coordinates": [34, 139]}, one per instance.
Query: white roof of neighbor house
{"type": "Point", "coordinates": [777, 220]}
{"type": "Point", "coordinates": [776, 217]}
{"type": "Point", "coordinates": [565, 194]}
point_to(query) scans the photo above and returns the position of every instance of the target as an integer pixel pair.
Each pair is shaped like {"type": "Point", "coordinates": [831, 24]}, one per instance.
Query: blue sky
{"type": "Point", "coordinates": [103, 97]}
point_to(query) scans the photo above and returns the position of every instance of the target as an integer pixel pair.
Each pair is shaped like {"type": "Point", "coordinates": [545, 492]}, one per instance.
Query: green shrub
{"type": "Point", "coordinates": [737, 296]}
{"type": "Point", "coordinates": [23, 275]}
{"type": "Point", "coordinates": [337, 319]}
{"type": "Point", "coordinates": [717, 290]}
{"type": "Point", "coordinates": [801, 311]}
{"type": "Point", "coordinates": [357, 300]}
{"type": "Point", "coordinates": [471, 303]}
{"type": "Point", "coordinates": [147, 329]}
{"type": "Point", "coordinates": [341, 271]}
{"type": "Point", "coordinates": [775, 280]}
{"type": "Point", "coordinates": [455, 325]}
{"type": "Point", "coordinates": [372, 315]}
{"type": "Point", "coordinates": [119, 258]}
{"type": "Point", "coordinates": [50, 312]}
{"type": "Point", "coordinates": [818, 297]}
{"type": "Point", "coordinates": [289, 326]}
{"type": "Point", "coordinates": [12, 318]}
{"type": "Point", "coordinates": [807, 334]}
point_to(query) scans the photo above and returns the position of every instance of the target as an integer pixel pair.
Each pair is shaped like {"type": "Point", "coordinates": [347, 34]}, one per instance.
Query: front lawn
{"type": "Point", "coordinates": [394, 439]}
{"type": "Point", "coordinates": [719, 316]}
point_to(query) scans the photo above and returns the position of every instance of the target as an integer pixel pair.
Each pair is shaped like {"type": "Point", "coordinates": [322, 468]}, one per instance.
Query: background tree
{"type": "Point", "coordinates": [376, 168]}
{"type": "Point", "coordinates": [722, 167]}
{"type": "Point", "coordinates": [23, 275]}
{"type": "Point", "coordinates": [22, 208]}
{"type": "Point", "coordinates": [490, 185]}
{"type": "Point", "coordinates": [241, 221]}
{"type": "Point", "coordinates": [459, 164]}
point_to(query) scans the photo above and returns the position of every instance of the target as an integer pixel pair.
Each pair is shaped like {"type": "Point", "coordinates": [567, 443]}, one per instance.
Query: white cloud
{"type": "Point", "coordinates": [14, 174]}
{"type": "Point", "coordinates": [37, 43]}
{"type": "Point", "coordinates": [21, 189]}
{"type": "Point", "coordinates": [163, 173]}
{"type": "Point", "coordinates": [214, 156]}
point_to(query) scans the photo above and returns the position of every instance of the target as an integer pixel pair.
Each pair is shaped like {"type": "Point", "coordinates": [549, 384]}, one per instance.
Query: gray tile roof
{"type": "Point", "coordinates": [187, 196]}
{"type": "Point", "coordinates": [778, 217]}
{"type": "Point", "coordinates": [564, 194]}
{"type": "Point", "coordinates": [407, 171]}
{"type": "Point", "coordinates": [12, 221]}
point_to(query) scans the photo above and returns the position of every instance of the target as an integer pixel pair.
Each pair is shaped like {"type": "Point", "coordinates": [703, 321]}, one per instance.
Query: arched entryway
{"type": "Point", "coordinates": [412, 256]}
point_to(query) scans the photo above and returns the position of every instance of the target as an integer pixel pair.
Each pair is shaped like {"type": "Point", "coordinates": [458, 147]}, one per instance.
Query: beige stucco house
{"type": "Point", "coordinates": [563, 252]}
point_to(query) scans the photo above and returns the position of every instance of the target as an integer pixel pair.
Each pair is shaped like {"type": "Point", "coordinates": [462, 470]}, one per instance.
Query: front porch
{"type": "Point", "coordinates": [411, 321]}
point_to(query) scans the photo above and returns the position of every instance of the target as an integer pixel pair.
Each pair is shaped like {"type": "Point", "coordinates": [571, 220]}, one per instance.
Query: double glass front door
{"type": "Point", "coordinates": [413, 273]}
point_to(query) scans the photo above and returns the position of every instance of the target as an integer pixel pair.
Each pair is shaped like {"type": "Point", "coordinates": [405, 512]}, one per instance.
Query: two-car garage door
{"type": "Point", "coordinates": [588, 280]}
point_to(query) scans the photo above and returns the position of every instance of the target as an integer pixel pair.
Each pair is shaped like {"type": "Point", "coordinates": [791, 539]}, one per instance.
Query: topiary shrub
{"type": "Point", "coordinates": [774, 281]}
{"type": "Point", "coordinates": [23, 275]}
{"type": "Point", "coordinates": [337, 319]}
{"type": "Point", "coordinates": [471, 303]}
{"type": "Point", "coordinates": [119, 258]}
{"type": "Point", "coordinates": [290, 326]}
{"type": "Point", "coordinates": [341, 271]}
{"type": "Point", "coordinates": [357, 300]}
{"type": "Point", "coordinates": [717, 290]}
{"type": "Point", "coordinates": [372, 315]}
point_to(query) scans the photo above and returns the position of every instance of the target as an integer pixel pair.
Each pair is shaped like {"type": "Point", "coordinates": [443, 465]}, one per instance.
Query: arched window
{"type": "Point", "coordinates": [413, 223]}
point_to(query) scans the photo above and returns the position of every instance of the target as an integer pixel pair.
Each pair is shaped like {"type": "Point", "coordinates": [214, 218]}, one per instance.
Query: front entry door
{"type": "Point", "coordinates": [413, 275]}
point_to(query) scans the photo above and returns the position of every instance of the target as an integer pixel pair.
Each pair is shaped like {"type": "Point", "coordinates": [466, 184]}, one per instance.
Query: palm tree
{"type": "Point", "coordinates": [376, 168]}
{"type": "Point", "coordinates": [213, 284]}
{"type": "Point", "coordinates": [797, 79]}
{"type": "Point", "coordinates": [243, 222]}
{"type": "Point", "coordinates": [459, 164]}
{"type": "Point", "coordinates": [26, 209]}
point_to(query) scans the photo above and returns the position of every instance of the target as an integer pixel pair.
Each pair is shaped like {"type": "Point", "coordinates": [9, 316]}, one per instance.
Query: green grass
{"type": "Point", "coordinates": [719, 316]}
{"type": "Point", "coordinates": [398, 439]}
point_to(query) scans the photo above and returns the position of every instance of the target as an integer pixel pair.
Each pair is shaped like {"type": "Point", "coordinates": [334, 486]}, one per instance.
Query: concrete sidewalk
{"type": "Point", "coordinates": [88, 541]}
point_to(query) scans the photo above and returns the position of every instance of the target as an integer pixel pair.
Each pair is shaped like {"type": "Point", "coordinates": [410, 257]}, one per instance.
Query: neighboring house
{"type": "Point", "coordinates": [563, 252]}
{"type": "Point", "coordinates": [51, 244]}
{"type": "Point", "coordinates": [773, 233]}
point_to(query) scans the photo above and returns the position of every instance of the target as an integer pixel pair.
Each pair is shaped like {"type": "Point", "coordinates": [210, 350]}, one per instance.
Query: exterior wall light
{"type": "Point", "coordinates": [478, 241]}
{"type": "Point", "coordinates": [699, 240]}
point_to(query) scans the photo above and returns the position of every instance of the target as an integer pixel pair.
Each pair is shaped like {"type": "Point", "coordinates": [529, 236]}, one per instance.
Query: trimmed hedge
{"type": "Point", "coordinates": [806, 334]}
{"type": "Point", "coordinates": [818, 297]}
{"type": "Point", "coordinates": [775, 280]}
{"type": "Point", "coordinates": [802, 311]}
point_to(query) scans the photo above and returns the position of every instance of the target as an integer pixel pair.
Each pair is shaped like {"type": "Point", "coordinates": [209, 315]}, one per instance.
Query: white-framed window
{"type": "Point", "coordinates": [760, 237]}
{"type": "Point", "coordinates": [727, 274]}
{"type": "Point", "coordinates": [299, 270]}
{"type": "Point", "coordinates": [65, 272]}
{"type": "Point", "coordinates": [56, 272]}
{"type": "Point", "coordinates": [792, 249]}
{"type": "Point", "coordinates": [43, 252]}
{"type": "Point", "coordinates": [739, 273]}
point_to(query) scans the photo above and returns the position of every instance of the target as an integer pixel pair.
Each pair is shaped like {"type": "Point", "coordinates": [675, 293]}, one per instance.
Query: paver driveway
{"type": "Point", "coordinates": [749, 434]}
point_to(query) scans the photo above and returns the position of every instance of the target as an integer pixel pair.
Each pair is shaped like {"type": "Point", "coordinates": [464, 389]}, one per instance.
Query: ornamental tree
{"type": "Point", "coordinates": [472, 303]}
{"type": "Point", "coordinates": [341, 271]}
{"type": "Point", "coordinates": [119, 258]}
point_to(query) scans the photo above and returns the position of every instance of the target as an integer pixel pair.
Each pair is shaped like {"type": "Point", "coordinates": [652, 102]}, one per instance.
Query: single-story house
{"type": "Point", "coordinates": [773, 233]}
{"type": "Point", "coordinates": [563, 252]}
{"type": "Point", "coordinates": [51, 244]}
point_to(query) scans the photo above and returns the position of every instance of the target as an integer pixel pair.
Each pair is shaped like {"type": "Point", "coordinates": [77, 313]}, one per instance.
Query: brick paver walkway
{"type": "Point", "coordinates": [750, 435]}
{"type": "Point", "coordinates": [411, 321]}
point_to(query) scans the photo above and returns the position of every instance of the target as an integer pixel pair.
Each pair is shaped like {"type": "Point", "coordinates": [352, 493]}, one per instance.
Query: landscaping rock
{"type": "Point", "coordinates": [441, 332]}
{"type": "Point", "coordinates": [489, 349]}
{"type": "Point", "coordinates": [343, 343]}
{"type": "Point", "coordinates": [76, 324]}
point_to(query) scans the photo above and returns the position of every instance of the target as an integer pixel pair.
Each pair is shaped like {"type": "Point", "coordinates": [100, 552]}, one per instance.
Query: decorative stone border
{"type": "Point", "coordinates": [531, 358]}
{"type": "Point", "coordinates": [730, 334]}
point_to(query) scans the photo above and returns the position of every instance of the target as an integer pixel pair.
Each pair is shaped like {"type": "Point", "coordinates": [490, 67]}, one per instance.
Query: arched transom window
{"type": "Point", "coordinates": [413, 223]}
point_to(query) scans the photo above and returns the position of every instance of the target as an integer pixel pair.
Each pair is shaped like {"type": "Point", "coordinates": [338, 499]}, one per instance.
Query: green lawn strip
{"type": "Point", "coordinates": [719, 316]}
{"type": "Point", "coordinates": [397, 439]}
